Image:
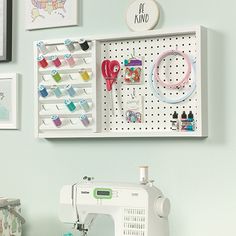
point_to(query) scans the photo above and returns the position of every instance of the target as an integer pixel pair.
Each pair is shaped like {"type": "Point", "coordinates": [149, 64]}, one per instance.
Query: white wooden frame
{"type": "Point", "coordinates": [14, 87]}
{"type": "Point", "coordinates": [201, 44]}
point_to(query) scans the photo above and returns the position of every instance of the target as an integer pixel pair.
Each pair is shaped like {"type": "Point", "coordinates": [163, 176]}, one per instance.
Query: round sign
{"type": "Point", "coordinates": [142, 15]}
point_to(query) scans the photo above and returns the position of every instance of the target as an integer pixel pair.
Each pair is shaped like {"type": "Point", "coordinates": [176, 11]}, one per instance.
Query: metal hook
{"type": "Point", "coordinates": [84, 61]}
{"type": "Point", "coordinates": [133, 94]}
{"type": "Point", "coordinates": [57, 107]}
{"type": "Point", "coordinates": [73, 123]}
{"type": "Point", "coordinates": [43, 107]}
{"type": "Point", "coordinates": [133, 54]}
{"type": "Point", "coordinates": [85, 91]}
{"type": "Point", "coordinates": [43, 78]}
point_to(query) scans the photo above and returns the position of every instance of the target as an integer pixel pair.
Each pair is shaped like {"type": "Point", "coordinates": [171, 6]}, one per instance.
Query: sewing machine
{"type": "Point", "coordinates": [137, 209]}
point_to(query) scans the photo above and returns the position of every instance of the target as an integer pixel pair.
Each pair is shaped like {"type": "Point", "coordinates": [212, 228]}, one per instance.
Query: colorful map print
{"type": "Point", "coordinates": [47, 6]}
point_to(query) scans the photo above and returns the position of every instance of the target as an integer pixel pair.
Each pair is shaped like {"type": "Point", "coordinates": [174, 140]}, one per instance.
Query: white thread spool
{"type": "Point", "coordinates": [143, 174]}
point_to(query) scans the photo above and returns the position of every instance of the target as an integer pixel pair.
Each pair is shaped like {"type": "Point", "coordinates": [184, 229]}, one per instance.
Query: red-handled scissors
{"type": "Point", "coordinates": [110, 71]}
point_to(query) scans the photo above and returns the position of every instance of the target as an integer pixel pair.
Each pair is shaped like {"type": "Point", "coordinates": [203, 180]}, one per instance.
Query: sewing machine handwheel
{"type": "Point", "coordinates": [163, 207]}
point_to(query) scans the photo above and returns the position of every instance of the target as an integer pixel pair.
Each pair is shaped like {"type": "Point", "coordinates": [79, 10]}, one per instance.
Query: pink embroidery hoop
{"type": "Point", "coordinates": [181, 83]}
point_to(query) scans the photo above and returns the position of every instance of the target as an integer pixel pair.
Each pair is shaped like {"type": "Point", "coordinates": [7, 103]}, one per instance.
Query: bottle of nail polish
{"type": "Point", "coordinates": [175, 122]}
{"type": "Point", "coordinates": [184, 121]}
{"type": "Point", "coordinates": [191, 122]}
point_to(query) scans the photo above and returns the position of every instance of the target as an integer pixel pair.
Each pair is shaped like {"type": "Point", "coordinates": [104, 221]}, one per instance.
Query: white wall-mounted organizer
{"type": "Point", "coordinates": [109, 113]}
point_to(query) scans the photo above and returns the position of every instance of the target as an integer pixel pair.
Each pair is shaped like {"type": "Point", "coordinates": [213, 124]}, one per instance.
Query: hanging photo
{"type": "Point", "coordinates": [50, 13]}
{"type": "Point", "coordinates": [5, 30]}
{"type": "Point", "coordinates": [8, 101]}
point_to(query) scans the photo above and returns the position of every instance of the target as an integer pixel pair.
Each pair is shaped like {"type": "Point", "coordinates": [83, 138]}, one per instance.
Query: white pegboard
{"type": "Point", "coordinates": [156, 114]}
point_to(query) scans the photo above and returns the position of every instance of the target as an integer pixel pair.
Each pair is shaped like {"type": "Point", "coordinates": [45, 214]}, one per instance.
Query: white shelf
{"type": "Point", "coordinates": [66, 125]}
{"type": "Point", "coordinates": [76, 54]}
{"type": "Point", "coordinates": [86, 134]}
{"type": "Point", "coordinates": [77, 84]}
{"type": "Point", "coordinates": [156, 114]}
{"type": "Point", "coordinates": [65, 69]}
{"type": "Point", "coordinates": [64, 111]}
{"type": "Point", "coordinates": [53, 99]}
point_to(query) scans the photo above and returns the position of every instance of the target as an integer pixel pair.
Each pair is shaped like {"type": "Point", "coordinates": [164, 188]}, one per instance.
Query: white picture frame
{"type": "Point", "coordinates": [9, 101]}
{"type": "Point", "coordinates": [6, 30]}
{"type": "Point", "coordinates": [40, 14]}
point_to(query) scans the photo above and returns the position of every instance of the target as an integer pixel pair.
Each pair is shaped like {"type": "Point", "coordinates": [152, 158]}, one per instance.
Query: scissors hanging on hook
{"type": "Point", "coordinates": [110, 71]}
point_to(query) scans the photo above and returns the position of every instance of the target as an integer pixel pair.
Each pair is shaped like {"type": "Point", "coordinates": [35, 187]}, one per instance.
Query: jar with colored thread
{"type": "Point", "coordinates": [42, 47]}
{"type": "Point", "coordinates": [69, 45]}
{"type": "Point", "coordinates": [56, 61]}
{"type": "Point", "coordinates": [56, 121]}
{"type": "Point", "coordinates": [70, 90]}
{"type": "Point", "coordinates": [84, 105]}
{"type": "Point", "coordinates": [55, 75]}
{"type": "Point", "coordinates": [85, 75]}
{"type": "Point", "coordinates": [43, 91]}
{"type": "Point", "coordinates": [84, 119]}
{"type": "Point", "coordinates": [70, 105]}
{"type": "Point", "coordinates": [57, 91]}
{"type": "Point", "coordinates": [70, 60]}
{"type": "Point", "coordinates": [42, 61]}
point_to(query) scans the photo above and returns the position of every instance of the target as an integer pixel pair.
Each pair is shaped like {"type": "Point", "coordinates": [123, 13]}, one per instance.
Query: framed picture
{"type": "Point", "coordinates": [50, 13]}
{"type": "Point", "coordinates": [8, 101]}
{"type": "Point", "coordinates": [5, 30]}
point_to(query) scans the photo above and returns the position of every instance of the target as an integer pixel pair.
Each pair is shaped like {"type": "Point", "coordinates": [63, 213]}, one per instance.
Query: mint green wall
{"type": "Point", "coordinates": [199, 176]}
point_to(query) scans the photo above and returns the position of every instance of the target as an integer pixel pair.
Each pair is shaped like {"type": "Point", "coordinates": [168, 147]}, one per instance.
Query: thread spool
{"type": "Point", "coordinates": [70, 60]}
{"type": "Point", "coordinates": [42, 61]}
{"type": "Point", "coordinates": [42, 47]}
{"type": "Point", "coordinates": [70, 105]}
{"type": "Point", "coordinates": [56, 61]}
{"type": "Point", "coordinates": [56, 121]}
{"type": "Point", "coordinates": [84, 119]}
{"type": "Point", "coordinates": [70, 90]}
{"type": "Point", "coordinates": [69, 45]}
{"type": "Point", "coordinates": [57, 91]}
{"type": "Point", "coordinates": [43, 91]}
{"type": "Point", "coordinates": [85, 75]}
{"type": "Point", "coordinates": [56, 76]}
{"type": "Point", "coordinates": [84, 44]}
{"type": "Point", "coordinates": [143, 177]}
{"type": "Point", "coordinates": [84, 105]}
{"type": "Point", "coordinates": [68, 234]}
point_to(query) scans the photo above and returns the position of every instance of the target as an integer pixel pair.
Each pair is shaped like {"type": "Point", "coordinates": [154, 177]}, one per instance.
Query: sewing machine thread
{"type": "Point", "coordinates": [43, 91]}
{"type": "Point", "coordinates": [69, 45]}
{"type": "Point", "coordinates": [56, 76]}
{"type": "Point", "coordinates": [70, 60]}
{"type": "Point", "coordinates": [70, 105]}
{"type": "Point", "coordinates": [70, 90]}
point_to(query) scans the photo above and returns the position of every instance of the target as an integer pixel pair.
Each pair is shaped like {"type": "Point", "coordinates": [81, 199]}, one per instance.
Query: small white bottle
{"type": "Point", "coordinates": [175, 122]}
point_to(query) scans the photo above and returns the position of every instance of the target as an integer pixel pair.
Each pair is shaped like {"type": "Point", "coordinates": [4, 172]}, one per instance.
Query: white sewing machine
{"type": "Point", "coordinates": [137, 209]}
